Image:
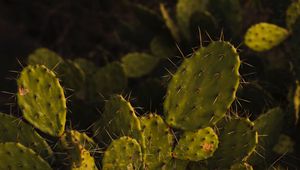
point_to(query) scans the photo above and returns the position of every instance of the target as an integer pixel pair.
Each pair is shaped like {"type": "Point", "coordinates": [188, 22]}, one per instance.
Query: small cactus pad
{"type": "Point", "coordinates": [44, 56]}
{"type": "Point", "coordinates": [264, 36]}
{"type": "Point", "coordinates": [292, 14]}
{"type": "Point", "coordinates": [284, 145]}
{"type": "Point", "coordinates": [268, 125]}
{"type": "Point", "coordinates": [196, 146]}
{"type": "Point", "coordinates": [88, 67]}
{"type": "Point", "coordinates": [13, 129]}
{"type": "Point", "coordinates": [237, 142]}
{"type": "Point", "coordinates": [73, 137]}
{"type": "Point", "coordinates": [184, 11]}
{"type": "Point", "coordinates": [87, 162]}
{"type": "Point", "coordinates": [162, 47]}
{"type": "Point", "coordinates": [203, 87]}
{"type": "Point", "coordinates": [176, 164]}
{"type": "Point", "coordinates": [241, 166]}
{"type": "Point", "coordinates": [108, 80]}
{"type": "Point", "coordinates": [42, 99]}
{"type": "Point", "coordinates": [139, 64]}
{"type": "Point", "coordinates": [123, 153]}
{"type": "Point", "coordinates": [118, 119]}
{"type": "Point", "coordinates": [15, 156]}
{"type": "Point", "coordinates": [158, 141]}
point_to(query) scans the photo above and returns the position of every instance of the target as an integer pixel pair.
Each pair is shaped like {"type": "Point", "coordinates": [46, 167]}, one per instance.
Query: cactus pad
{"type": "Point", "coordinates": [44, 56]}
{"type": "Point", "coordinates": [108, 80]}
{"type": "Point", "coordinates": [176, 164]}
{"type": "Point", "coordinates": [285, 145]}
{"type": "Point", "coordinates": [292, 14]}
{"type": "Point", "coordinates": [237, 141]}
{"type": "Point", "coordinates": [196, 146]}
{"type": "Point", "coordinates": [264, 36]}
{"type": "Point", "coordinates": [158, 141]}
{"type": "Point", "coordinates": [13, 129]}
{"type": "Point", "coordinates": [15, 156]}
{"type": "Point", "coordinates": [139, 64]}
{"type": "Point", "coordinates": [42, 100]}
{"type": "Point", "coordinates": [203, 87]}
{"type": "Point", "coordinates": [123, 153]}
{"type": "Point", "coordinates": [118, 120]}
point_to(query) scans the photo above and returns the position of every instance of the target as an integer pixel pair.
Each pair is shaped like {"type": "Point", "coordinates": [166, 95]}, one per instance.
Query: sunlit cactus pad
{"type": "Point", "coordinates": [196, 146]}
{"type": "Point", "coordinates": [41, 99]}
{"type": "Point", "coordinates": [265, 36]}
{"type": "Point", "coordinates": [203, 88]}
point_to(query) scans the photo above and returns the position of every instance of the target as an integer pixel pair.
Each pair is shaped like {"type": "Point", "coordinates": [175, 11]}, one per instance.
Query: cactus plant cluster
{"type": "Point", "coordinates": [80, 115]}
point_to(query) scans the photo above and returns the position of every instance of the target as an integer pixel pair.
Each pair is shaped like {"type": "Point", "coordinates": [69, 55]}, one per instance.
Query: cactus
{"type": "Point", "coordinates": [138, 64]}
{"type": "Point", "coordinates": [13, 129]}
{"type": "Point", "coordinates": [264, 36]}
{"type": "Point", "coordinates": [170, 24]}
{"type": "Point", "coordinates": [42, 100]}
{"type": "Point", "coordinates": [292, 14]}
{"type": "Point", "coordinates": [131, 157]}
{"type": "Point", "coordinates": [208, 80]}
{"type": "Point", "coordinates": [196, 146]}
{"type": "Point", "coordinates": [241, 166]}
{"type": "Point", "coordinates": [158, 141]}
{"type": "Point", "coordinates": [237, 141]}
{"type": "Point", "coordinates": [269, 126]}
{"type": "Point", "coordinates": [118, 119]}
{"type": "Point", "coordinates": [17, 156]}
{"type": "Point", "coordinates": [44, 56]}
{"type": "Point", "coordinates": [107, 80]}
{"type": "Point", "coordinates": [79, 148]}
{"type": "Point", "coordinates": [162, 47]}
{"type": "Point", "coordinates": [176, 164]}
{"type": "Point", "coordinates": [86, 66]}
{"type": "Point", "coordinates": [296, 103]}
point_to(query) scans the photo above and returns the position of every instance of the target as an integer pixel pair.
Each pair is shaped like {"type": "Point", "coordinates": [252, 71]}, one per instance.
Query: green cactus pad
{"type": "Point", "coordinates": [162, 47]}
{"type": "Point", "coordinates": [158, 141]}
{"type": "Point", "coordinates": [184, 11]}
{"type": "Point", "coordinates": [42, 99]}
{"type": "Point", "coordinates": [264, 36]}
{"type": "Point", "coordinates": [237, 141]}
{"type": "Point", "coordinates": [292, 14]}
{"type": "Point", "coordinates": [268, 125]}
{"type": "Point", "coordinates": [203, 87]}
{"type": "Point", "coordinates": [85, 160]}
{"type": "Point", "coordinates": [169, 23]}
{"type": "Point", "coordinates": [123, 153]}
{"type": "Point", "coordinates": [13, 129]}
{"type": "Point", "coordinates": [176, 164]}
{"type": "Point", "coordinates": [72, 75]}
{"type": "Point", "coordinates": [44, 56]}
{"type": "Point", "coordinates": [139, 64]}
{"type": "Point", "coordinates": [108, 80]}
{"type": "Point", "coordinates": [118, 119]}
{"type": "Point", "coordinates": [74, 137]}
{"type": "Point", "coordinates": [241, 166]}
{"type": "Point", "coordinates": [197, 146]}
{"type": "Point", "coordinates": [88, 67]}
{"type": "Point", "coordinates": [15, 156]}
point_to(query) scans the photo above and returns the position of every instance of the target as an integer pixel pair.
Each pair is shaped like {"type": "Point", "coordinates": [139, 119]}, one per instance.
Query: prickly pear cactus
{"type": "Point", "coordinates": [118, 120]}
{"type": "Point", "coordinates": [268, 125]}
{"type": "Point", "coordinates": [158, 141]}
{"type": "Point", "coordinates": [241, 166]}
{"type": "Point", "coordinates": [42, 99]}
{"type": "Point", "coordinates": [169, 22]}
{"type": "Point", "coordinates": [123, 153]}
{"type": "Point", "coordinates": [139, 64]}
{"type": "Point", "coordinates": [79, 148]}
{"type": "Point", "coordinates": [284, 145]}
{"type": "Point", "coordinates": [237, 141]}
{"type": "Point", "coordinates": [44, 56]}
{"type": "Point", "coordinates": [16, 156]}
{"type": "Point", "coordinates": [162, 47]}
{"type": "Point", "coordinates": [292, 14]}
{"type": "Point", "coordinates": [203, 87]}
{"type": "Point", "coordinates": [265, 36]}
{"type": "Point", "coordinates": [197, 146]}
{"type": "Point", "coordinates": [107, 80]}
{"type": "Point", "coordinates": [13, 129]}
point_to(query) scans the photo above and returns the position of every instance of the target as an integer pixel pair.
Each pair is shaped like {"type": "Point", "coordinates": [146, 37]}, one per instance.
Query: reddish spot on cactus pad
{"type": "Point", "coordinates": [23, 91]}
{"type": "Point", "coordinates": [207, 147]}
